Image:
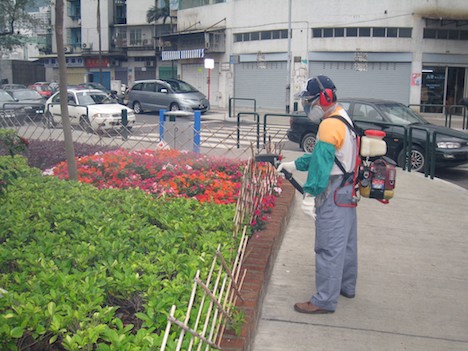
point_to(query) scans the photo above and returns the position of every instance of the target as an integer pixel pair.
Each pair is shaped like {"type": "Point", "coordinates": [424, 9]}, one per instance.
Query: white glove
{"type": "Point", "coordinates": [308, 206]}
{"type": "Point", "coordinates": [288, 166]}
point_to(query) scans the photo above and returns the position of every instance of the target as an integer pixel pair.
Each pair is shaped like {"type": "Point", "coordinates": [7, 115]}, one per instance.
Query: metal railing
{"type": "Point", "coordinates": [232, 104]}
{"type": "Point", "coordinates": [448, 111]}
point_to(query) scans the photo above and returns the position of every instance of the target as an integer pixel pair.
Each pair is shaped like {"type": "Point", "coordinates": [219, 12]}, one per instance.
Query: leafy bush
{"type": "Point", "coordinates": [13, 168]}
{"type": "Point", "coordinates": [12, 143]}
{"type": "Point", "coordinates": [90, 269]}
{"type": "Point", "coordinates": [45, 154]}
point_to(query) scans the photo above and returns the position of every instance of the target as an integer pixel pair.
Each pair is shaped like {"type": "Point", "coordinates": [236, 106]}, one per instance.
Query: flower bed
{"type": "Point", "coordinates": [98, 268]}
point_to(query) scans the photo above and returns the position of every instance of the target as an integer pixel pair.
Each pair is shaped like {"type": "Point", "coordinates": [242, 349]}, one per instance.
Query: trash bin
{"type": "Point", "coordinates": [178, 130]}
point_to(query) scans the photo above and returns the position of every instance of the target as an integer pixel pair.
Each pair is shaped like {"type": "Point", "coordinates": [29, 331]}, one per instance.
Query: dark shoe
{"type": "Point", "coordinates": [310, 308]}
{"type": "Point", "coordinates": [348, 296]}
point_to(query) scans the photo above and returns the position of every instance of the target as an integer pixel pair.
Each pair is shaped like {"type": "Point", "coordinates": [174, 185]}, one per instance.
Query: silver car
{"type": "Point", "coordinates": [167, 94]}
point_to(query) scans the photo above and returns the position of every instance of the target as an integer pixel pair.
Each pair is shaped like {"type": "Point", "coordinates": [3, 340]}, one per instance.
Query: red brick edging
{"type": "Point", "coordinates": [259, 258]}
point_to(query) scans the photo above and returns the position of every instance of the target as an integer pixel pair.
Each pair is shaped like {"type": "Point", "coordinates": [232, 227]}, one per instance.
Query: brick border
{"type": "Point", "coordinates": [259, 258]}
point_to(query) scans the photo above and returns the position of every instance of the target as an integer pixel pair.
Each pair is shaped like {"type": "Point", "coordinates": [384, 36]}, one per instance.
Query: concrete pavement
{"type": "Point", "coordinates": [412, 291]}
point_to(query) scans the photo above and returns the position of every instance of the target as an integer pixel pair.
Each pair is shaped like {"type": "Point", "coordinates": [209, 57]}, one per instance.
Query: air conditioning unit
{"type": "Point", "coordinates": [68, 49]}
{"type": "Point", "coordinates": [87, 46]}
{"type": "Point", "coordinates": [149, 63]}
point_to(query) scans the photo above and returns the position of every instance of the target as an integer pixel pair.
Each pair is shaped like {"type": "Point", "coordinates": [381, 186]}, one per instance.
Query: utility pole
{"type": "Point", "coordinates": [99, 38]}
{"type": "Point", "coordinates": [288, 67]}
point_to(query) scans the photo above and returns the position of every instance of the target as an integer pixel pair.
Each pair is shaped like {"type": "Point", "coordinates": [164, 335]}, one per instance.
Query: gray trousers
{"type": "Point", "coordinates": [335, 248]}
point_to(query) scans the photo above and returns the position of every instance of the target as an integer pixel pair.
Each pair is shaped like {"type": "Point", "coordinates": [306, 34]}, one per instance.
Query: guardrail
{"type": "Point", "coordinates": [231, 105]}
{"type": "Point", "coordinates": [448, 112]}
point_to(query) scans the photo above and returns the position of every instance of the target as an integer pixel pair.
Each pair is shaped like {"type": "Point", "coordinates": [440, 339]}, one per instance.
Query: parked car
{"type": "Point", "coordinates": [13, 86]}
{"type": "Point", "coordinates": [11, 113]}
{"type": "Point", "coordinates": [31, 100]}
{"type": "Point", "coordinates": [168, 94]}
{"type": "Point", "coordinates": [43, 88]}
{"type": "Point", "coordinates": [90, 109]}
{"type": "Point", "coordinates": [392, 117]}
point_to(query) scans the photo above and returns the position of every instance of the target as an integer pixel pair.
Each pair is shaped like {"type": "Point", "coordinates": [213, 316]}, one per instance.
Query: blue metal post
{"type": "Point", "coordinates": [196, 131]}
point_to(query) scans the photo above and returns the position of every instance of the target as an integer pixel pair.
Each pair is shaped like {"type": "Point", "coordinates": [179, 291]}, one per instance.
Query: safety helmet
{"type": "Point", "coordinates": [319, 89]}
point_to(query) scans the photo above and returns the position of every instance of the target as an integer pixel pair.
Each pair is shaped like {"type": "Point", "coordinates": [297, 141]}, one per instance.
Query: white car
{"type": "Point", "coordinates": [90, 109]}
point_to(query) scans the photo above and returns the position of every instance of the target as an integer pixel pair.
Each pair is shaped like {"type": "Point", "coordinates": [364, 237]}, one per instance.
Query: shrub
{"type": "Point", "coordinates": [11, 143]}
{"type": "Point", "coordinates": [13, 168]}
{"type": "Point", "coordinates": [45, 154]}
{"type": "Point", "coordinates": [99, 269]}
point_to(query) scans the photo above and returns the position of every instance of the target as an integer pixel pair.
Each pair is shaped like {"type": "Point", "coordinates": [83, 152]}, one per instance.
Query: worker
{"type": "Point", "coordinates": [329, 192]}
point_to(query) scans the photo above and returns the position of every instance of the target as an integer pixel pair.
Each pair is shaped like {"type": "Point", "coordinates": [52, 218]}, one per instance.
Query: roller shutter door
{"type": "Point", "coordinates": [382, 80]}
{"type": "Point", "coordinates": [197, 76]}
{"type": "Point", "coordinates": [266, 85]}
{"type": "Point", "coordinates": [146, 73]}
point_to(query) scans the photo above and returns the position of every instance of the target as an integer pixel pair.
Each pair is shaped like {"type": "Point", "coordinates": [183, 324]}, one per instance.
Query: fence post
{"type": "Point", "coordinates": [162, 119]}
{"type": "Point", "coordinates": [196, 131]}
{"type": "Point", "coordinates": [124, 124]}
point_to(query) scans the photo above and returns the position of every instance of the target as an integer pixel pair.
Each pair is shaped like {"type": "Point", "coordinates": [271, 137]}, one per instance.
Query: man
{"type": "Point", "coordinates": [329, 180]}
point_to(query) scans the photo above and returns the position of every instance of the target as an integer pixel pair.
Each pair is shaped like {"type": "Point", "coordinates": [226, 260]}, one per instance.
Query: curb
{"type": "Point", "coordinates": [260, 255]}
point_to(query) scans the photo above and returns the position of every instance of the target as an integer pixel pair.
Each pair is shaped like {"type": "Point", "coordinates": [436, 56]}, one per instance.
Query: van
{"type": "Point", "coordinates": [167, 94]}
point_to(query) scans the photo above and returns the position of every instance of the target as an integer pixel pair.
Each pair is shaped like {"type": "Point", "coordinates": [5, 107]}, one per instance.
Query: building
{"type": "Point", "coordinates": [411, 51]}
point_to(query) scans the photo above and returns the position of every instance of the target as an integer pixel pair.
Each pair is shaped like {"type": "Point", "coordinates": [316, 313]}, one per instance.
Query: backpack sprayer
{"type": "Point", "coordinates": [374, 175]}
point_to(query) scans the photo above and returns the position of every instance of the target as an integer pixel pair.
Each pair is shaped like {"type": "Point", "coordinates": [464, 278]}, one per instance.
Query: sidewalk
{"type": "Point", "coordinates": [412, 291]}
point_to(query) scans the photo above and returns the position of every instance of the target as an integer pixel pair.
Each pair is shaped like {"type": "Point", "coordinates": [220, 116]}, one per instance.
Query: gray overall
{"type": "Point", "coordinates": [335, 247]}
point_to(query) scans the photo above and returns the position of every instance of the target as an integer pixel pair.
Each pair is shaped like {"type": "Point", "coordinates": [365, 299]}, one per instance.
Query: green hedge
{"type": "Point", "coordinates": [89, 269]}
{"type": "Point", "coordinates": [14, 167]}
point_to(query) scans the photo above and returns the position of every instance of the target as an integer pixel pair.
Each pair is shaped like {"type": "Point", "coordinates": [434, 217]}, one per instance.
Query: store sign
{"type": "Point", "coordinates": [94, 62]}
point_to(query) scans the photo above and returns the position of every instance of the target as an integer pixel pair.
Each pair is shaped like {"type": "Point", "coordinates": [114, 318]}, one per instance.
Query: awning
{"type": "Point", "coordinates": [182, 54]}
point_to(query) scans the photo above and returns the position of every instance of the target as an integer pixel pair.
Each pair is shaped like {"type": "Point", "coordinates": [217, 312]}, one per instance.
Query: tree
{"type": "Point", "coordinates": [14, 19]}
{"type": "Point", "coordinates": [159, 11]}
{"type": "Point", "coordinates": [69, 149]}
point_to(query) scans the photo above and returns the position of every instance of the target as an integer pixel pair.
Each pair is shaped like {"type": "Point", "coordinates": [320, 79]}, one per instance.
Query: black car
{"type": "Point", "coordinates": [11, 113]}
{"type": "Point", "coordinates": [31, 100]}
{"type": "Point", "coordinates": [393, 118]}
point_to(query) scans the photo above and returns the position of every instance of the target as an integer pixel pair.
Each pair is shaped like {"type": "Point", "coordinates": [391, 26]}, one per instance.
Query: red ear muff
{"type": "Point", "coordinates": [326, 97]}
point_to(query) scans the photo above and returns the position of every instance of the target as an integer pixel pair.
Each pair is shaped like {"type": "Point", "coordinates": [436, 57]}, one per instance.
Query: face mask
{"type": "Point", "coordinates": [316, 113]}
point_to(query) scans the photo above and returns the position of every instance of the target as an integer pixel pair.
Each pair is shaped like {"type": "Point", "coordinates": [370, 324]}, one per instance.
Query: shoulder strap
{"type": "Point", "coordinates": [351, 127]}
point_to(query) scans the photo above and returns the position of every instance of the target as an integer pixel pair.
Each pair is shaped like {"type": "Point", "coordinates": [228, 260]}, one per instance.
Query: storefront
{"type": "Point", "coordinates": [442, 85]}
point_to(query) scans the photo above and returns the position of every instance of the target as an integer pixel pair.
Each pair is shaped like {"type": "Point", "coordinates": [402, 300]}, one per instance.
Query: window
{"type": "Point", "coordinates": [364, 32]}
{"type": "Point", "coordinates": [404, 32]}
{"type": "Point", "coordinates": [351, 32]}
{"type": "Point", "coordinates": [442, 34]}
{"type": "Point", "coordinates": [453, 34]}
{"type": "Point", "coordinates": [392, 32]}
{"type": "Point", "coordinates": [378, 32]}
{"type": "Point", "coordinates": [263, 35]}
{"type": "Point", "coordinates": [151, 87]}
{"type": "Point", "coordinates": [328, 32]}
{"type": "Point", "coordinates": [339, 32]}
{"type": "Point", "coordinates": [317, 32]}
{"type": "Point", "coordinates": [135, 36]}
{"type": "Point", "coordinates": [450, 34]}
